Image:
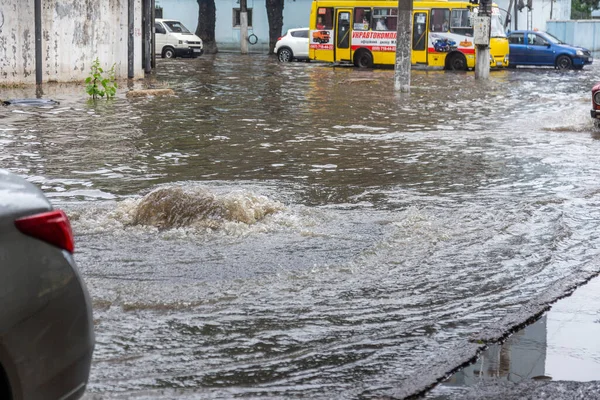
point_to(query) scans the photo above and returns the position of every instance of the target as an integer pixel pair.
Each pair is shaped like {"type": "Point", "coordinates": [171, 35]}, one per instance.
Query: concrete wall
{"type": "Point", "coordinates": [295, 15]}
{"type": "Point", "coordinates": [584, 33]}
{"type": "Point", "coordinates": [74, 33]}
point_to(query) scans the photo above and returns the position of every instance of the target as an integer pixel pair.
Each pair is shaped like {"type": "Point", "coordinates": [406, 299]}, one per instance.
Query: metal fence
{"type": "Point", "coordinates": [584, 33]}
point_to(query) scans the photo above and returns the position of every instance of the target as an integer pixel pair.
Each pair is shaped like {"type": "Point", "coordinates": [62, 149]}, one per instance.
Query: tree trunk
{"type": "Point", "coordinates": [275, 18]}
{"type": "Point", "coordinates": [206, 25]}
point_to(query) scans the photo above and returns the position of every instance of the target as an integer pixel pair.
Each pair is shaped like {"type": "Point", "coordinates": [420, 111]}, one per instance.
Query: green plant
{"type": "Point", "coordinates": [98, 85]}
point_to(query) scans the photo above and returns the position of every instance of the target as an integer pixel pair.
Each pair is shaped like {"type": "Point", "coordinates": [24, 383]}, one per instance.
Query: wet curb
{"type": "Point", "coordinates": [528, 314]}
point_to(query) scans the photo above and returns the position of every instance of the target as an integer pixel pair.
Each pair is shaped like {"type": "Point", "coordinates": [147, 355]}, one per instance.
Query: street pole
{"type": "Point", "coordinates": [507, 20]}
{"type": "Point", "coordinates": [130, 42]}
{"type": "Point", "coordinates": [243, 27]}
{"type": "Point", "coordinates": [147, 37]}
{"type": "Point", "coordinates": [153, 45]}
{"type": "Point", "coordinates": [481, 39]}
{"type": "Point", "coordinates": [38, 41]}
{"type": "Point", "coordinates": [403, 36]}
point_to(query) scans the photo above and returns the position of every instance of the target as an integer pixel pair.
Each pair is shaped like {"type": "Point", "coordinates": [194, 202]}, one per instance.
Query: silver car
{"type": "Point", "coordinates": [46, 326]}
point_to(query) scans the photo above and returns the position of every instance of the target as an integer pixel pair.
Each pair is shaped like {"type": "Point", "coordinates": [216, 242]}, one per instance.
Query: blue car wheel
{"type": "Point", "coordinates": [564, 62]}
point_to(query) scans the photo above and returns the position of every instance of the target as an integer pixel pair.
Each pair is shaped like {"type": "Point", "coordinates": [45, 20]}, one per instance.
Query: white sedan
{"type": "Point", "coordinates": [293, 45]}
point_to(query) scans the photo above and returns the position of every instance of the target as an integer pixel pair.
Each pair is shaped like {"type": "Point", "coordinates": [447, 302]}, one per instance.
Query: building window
{"type": "Point", "coordinates": [236, 17]}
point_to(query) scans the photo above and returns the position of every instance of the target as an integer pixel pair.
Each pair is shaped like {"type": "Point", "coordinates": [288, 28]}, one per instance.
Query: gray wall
{"type": "Point", "coordinates": [295, 15]}
{"type": "Point", "coordinates": [584, 33]}
{"type": "Point", "coordinates": [74, 33]}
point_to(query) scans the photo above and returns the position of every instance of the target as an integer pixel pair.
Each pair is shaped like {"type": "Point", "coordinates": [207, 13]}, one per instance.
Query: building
{"type": "Point", "coordinates": [296, 14]}
{"type": "Point", "coordinates": [73, 34]}
{"type": "Point", "coordinates": [535, 16]}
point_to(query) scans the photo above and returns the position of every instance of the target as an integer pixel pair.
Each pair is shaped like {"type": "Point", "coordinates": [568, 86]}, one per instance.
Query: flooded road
{"type": "Point", "coordinates": [295, 230]}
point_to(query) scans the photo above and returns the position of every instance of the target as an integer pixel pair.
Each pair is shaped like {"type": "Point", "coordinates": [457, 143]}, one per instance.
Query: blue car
{"type": "Point", "coordinates": [541, 48]}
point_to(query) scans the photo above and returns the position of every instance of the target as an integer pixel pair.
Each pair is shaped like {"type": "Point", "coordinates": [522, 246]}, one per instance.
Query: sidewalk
{"type": "Point", "coordinates": [563, 345]}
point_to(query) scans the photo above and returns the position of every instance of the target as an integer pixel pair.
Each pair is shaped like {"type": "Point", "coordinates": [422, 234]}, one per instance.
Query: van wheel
{"type": "Point", "coordinates": [456, 62]}
{"type": "Point", "coordinates": [563, 62]}
{"type": "Point", "coordinates": [168, 52]}
{"type": "Point", "coordinates": [363, 59]}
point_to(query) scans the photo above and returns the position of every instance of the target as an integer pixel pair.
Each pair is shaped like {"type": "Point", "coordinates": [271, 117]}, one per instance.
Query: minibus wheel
{"type": "Point", "coordinates": [456, 62]}
{"type": "Point", "coordinates": [363, 59]}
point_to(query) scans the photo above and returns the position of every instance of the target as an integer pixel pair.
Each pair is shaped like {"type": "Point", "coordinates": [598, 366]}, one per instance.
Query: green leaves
{"type": "Point", "coordinates": [98, 85]}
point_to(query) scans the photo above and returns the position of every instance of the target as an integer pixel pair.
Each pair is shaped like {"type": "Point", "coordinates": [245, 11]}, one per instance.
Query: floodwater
{"type": "Point", "coordinates": [301, 231]}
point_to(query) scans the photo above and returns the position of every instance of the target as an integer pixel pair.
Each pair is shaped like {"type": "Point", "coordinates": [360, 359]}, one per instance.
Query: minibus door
{"type": "Point", "coordinates": [343, 35]}
{"type": "Point", "coordinates": [419, 38]}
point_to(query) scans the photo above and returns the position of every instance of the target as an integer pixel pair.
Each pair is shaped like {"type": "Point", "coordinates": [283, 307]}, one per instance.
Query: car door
{"type": "Point", "coordinates": [539, 51]}
{"type": "Point", "coordinates": [516, 41]}
{"type": "Point", "coordinates": [160, 35]}
{"type": "Point", "coordinates": [300, 43]}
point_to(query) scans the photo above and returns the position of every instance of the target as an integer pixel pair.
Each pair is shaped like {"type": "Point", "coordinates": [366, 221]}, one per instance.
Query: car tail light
{"type": "Point", "coordinates": [52, 227]}
{"type": "Point", "coordinates": [279, 38]}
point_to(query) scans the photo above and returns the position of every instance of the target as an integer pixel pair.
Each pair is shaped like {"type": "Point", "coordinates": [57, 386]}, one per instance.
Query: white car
{"type": "Point", "coordinates": [293, 45]}
{"type": "Point", "coordinates": [173, 39]}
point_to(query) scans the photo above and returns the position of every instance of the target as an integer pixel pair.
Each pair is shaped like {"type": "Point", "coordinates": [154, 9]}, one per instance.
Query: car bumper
{"type": "Point", "coordinates": [583, 60]}
{"type": "Point", "coordinates": [188, 51]}
{"type": "Point", "coordinates": [48, 353]}
{"type": "Point", "coordinates": [595, 114]}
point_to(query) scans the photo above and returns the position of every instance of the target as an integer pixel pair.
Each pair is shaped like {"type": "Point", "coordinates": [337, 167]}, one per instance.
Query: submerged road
{"type": "Point", "coordinates": [314, 235]}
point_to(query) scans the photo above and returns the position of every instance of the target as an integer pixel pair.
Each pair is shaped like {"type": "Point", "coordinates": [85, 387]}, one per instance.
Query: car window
{"type": "Point", "coordinates": [176, 26]}
{"type": "Point", "coordinates": [362, 19]}
{"type": "Point", "coordinates": [460, 22]}
{"type": "Point", "coordinates": [516, 38]}
{"type": "Point", "coordinates": [536, 40]}
{"type": "Point", "coordinates": [300, 34]}
{"type": "Point", "coordinates": [158, 28]}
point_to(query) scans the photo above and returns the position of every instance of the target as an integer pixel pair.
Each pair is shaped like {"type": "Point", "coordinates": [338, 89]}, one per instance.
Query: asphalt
{"type": "Point", "coordinates": [555, 357]}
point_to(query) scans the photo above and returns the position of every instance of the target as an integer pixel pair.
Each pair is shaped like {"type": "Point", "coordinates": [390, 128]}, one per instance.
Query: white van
{"type": "Point", "coordinates": [172, 39]}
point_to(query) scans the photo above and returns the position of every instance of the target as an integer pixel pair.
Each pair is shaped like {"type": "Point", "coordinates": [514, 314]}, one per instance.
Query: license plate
{"type": "Point", "coordinates": [197, 50]}
{"type": "Point", "coordinates": [498, 63]}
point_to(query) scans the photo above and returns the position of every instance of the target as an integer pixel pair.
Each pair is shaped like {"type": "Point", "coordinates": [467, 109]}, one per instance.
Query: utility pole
{"type": "Point", "coordinates": [481, 39]}
{"type": "Point", "coordinates": [148, 26]}
{"type": "Point", "coordinates": [130, 39]}
{"type": "Point", "coordinates": [243, 27]}
{"type": "Point", "coordinates": [38, 41]}
{"type": "Point", "coordinates": [507, 19]}
{"type": "Point", "coordinates": [403, 36]}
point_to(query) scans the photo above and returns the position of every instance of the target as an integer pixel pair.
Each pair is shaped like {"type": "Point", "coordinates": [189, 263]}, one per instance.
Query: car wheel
{"type": "Point", "coordinates": [168, 52]}
{"type": "Point", "coordinates": [456, 62]}
{"type": "Point", "coordinates": [285, 55]}
{"type": "Point", "coordinates": [563, 62]}
{"type": "Point", "coordinates": [363, 59]}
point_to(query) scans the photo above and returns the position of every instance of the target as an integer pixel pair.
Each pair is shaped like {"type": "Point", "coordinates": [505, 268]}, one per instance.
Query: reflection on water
{"type": "Point", "coordinates": [315, 235]}
{"type": "Point", "coordinates": [562, 345]}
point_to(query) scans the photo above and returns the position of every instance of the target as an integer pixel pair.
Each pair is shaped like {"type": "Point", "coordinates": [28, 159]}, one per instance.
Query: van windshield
{"type": "Point", "coordinates": [176, 26]}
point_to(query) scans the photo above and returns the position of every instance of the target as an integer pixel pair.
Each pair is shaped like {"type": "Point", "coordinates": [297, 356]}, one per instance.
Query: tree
{"type": "Point", "coordinates": [206, 25]}
{"type": "Point", "coordinates": [582, 9]}
{"type": "Point", "coordinates": [275, 18]}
